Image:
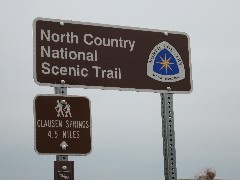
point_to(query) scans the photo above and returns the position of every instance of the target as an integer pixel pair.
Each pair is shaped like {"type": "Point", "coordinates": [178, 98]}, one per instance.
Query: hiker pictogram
{"type": "Point", "coordinates": [63, 109]}
{"type": "Point", "coordinates": [67, 110]}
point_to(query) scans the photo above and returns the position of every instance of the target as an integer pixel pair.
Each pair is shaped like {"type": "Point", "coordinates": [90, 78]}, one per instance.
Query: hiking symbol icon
{"type": "Point", "coordinates": [63, 109]}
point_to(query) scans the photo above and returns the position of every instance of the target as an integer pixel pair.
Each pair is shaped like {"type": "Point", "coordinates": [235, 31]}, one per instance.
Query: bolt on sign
{"type": "Point", "coordinates": [110, 57]}
{"type": "Point", "coordinates": [62, 125]}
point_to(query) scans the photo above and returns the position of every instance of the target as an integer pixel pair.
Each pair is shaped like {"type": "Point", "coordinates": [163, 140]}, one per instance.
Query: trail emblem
{"type": "Point", "coordinates": [165, 64]}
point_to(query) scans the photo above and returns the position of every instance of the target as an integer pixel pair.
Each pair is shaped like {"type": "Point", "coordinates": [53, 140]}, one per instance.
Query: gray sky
{"type": "Point", "coordinates": [126, 126]}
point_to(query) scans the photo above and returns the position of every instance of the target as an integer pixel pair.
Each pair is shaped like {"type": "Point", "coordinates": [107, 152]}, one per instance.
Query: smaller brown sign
{"type": "Point", "coordinates": [63, 170]}
{"type": "Point", "coordinates": [62, 125]}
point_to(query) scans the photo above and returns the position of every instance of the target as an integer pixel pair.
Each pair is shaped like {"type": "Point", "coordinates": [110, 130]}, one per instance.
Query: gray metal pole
{"type": "Point", "coordinates": [61, 91]}
{"type": "Point", "coordinates": [62, 167]}
{"type": "Point", "coordinates": [168, 134]}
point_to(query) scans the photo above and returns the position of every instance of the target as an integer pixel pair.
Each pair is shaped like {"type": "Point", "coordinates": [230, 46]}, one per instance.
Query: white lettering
{"type": "Point", "coordinates": [45, 68]}
{"type": "Point", "coordinates": [84, 72]}
{"type": "Point", "coordinates": [43, 34]}
{"type": "Point", "coordinates": [49, 123]}
{"type": "Point", "coordinates": [55, 37]}
{"type": "Point", "coordinates": [96, 69]}
{"type": "Point", "coordinates": [63, 53]}
{"type": "Point", "coordinates": [55, 70]}
{"type": "Point", "coordinates": [98, 41]}
{"type": "Point", "coordinates": [47, 53]}
{"type": "Point", "coordinates": [131, 45]}
{"type": "Point", "coordinates": [67, 37]}
{"type": "Point", "coordinates": [110, 74]}
{"type": "Point", "coordinates": [71, 134]}
{"type": "Point", "coordinates": [64, 71]}
{"type": "Point", "coordinates": [107, 42]}
{"type": "Point", "coordinates": [85, 39]}
{"type": "Point", "coordinates": [73, 55]}
{"type": "Point", "coordinates": [77, 124]}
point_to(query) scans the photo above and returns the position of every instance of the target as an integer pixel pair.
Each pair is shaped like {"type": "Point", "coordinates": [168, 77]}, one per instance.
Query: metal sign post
{"type": "Point", "coordinates": [169, 152]}
{"type": "Point", "coordinates": [61, 91]}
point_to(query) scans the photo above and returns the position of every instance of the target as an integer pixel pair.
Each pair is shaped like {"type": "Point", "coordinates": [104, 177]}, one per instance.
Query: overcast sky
{"type": "Point", "coordinates": [127, 126]}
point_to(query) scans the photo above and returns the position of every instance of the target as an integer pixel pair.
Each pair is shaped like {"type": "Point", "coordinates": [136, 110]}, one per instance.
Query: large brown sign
{"type": "Point", "coordinates": [62, 125]}
{"type": "Point", "coordinates": [110, 57]}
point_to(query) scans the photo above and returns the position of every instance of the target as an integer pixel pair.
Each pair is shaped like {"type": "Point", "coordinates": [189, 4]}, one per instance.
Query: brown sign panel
{"type": "Point", "coordinates": [63, 170]}
{"type": "Point", "coordinates": [110, 57]}
{"type": "Point", "coordinates": [62, 125]}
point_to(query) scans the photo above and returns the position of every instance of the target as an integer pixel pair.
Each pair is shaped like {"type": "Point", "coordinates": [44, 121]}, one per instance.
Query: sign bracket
{"type": "Point", "coordinates": [168, 134]}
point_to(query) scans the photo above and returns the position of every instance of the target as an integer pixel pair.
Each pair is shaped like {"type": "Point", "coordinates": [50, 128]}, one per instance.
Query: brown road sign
{"type": "Point", "coordinates": [62, 125]}
{"type": "Point", "coordinates": [110, 57]}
